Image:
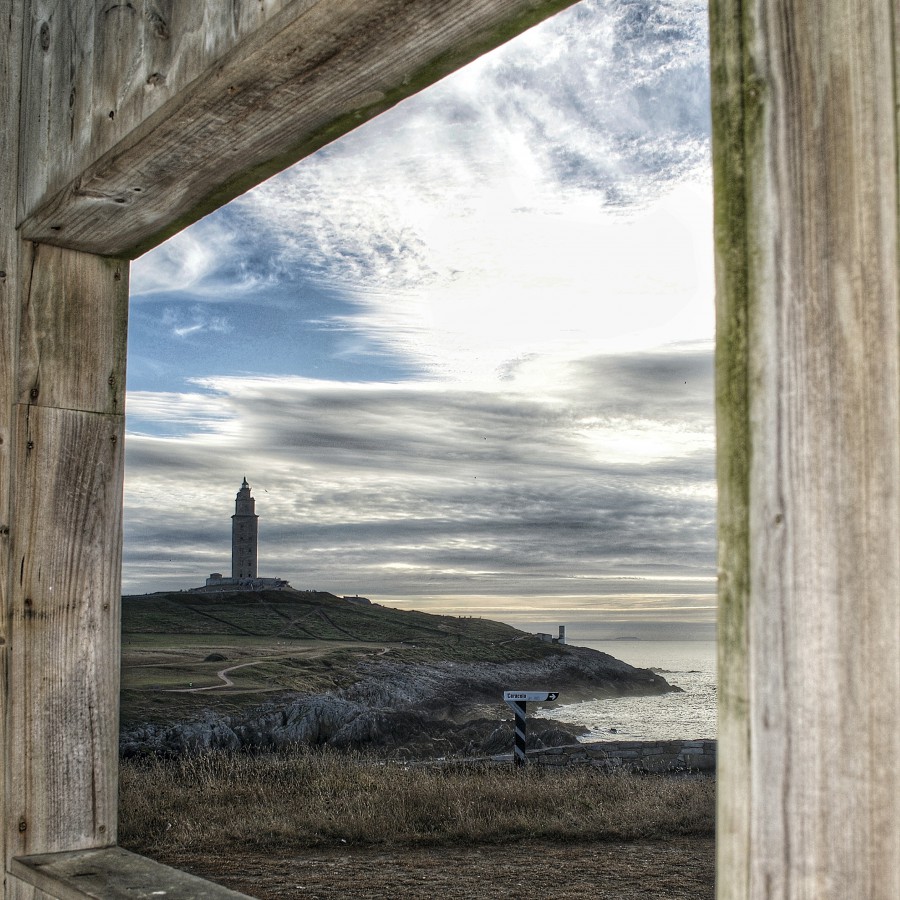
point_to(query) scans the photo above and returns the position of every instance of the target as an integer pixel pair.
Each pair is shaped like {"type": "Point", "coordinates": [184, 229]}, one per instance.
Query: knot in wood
{"type": "Point", "coordinates": [45, 36]}
{"type": "Point", "coordinates": [159, 25]}
{"type": "Point", "coordinates": [23, 825]}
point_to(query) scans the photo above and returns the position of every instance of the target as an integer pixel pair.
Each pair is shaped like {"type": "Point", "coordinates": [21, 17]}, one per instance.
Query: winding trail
{"type": "Point", "coordinates": [223, 674]}
{"type": "Point", "coordinates": [226, 681]}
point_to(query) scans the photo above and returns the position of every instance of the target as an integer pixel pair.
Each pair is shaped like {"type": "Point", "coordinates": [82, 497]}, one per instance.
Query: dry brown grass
{"type": "Point", "coordinates": [285, 802]}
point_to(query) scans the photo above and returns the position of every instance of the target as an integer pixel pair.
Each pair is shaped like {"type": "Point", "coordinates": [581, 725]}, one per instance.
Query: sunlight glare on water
{"type": "Point", "coordinates": [691, 665]}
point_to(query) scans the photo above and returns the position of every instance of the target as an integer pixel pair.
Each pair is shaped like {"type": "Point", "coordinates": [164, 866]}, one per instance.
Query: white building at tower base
{"type": "Point", "coordinates": [244, 544]}
{"type": "Point", "coordinates": [217, 584]}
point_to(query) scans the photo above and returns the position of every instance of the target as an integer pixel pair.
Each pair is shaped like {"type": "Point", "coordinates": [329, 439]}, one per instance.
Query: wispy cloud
{"type": "Point", "coordinates": [182, 323]}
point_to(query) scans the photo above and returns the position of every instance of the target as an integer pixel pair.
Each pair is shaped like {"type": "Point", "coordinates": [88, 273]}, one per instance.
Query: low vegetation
{"type": "Point", "coordinates": [174, 645]}
{"type": "Point", "coordinates": [291, 615]}
{"type": "Point", "coordinates": [284, 802]}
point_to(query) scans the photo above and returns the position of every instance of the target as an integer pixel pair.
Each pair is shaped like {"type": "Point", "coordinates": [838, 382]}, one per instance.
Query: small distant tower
{"type": "Point", "coordinates": [244, 533]}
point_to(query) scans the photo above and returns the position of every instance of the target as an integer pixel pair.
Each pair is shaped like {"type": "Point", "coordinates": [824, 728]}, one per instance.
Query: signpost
{"type": "Point", "coordinates": [516, 701]}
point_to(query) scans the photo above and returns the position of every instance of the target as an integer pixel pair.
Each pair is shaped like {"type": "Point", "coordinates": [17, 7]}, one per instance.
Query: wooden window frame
{"type": "Point", "coordinates": [122, 123]}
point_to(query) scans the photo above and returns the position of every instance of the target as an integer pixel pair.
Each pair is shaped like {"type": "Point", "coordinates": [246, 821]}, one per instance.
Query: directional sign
{"type": "Point", "coordinates": [518, 702]}
{"type": "Point", "coordinates": [531, 696]}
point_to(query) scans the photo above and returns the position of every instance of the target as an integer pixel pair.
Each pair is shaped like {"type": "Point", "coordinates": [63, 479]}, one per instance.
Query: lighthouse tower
{"type": "Point", "coordinates": [244, 532]}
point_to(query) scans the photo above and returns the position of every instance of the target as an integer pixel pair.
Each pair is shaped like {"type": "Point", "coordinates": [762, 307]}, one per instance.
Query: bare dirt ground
{"type": "Point", "coordinates": [679, 869]}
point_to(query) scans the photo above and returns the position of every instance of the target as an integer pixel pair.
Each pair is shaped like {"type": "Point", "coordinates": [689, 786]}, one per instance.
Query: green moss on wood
{"type": "Point", "coordinates": [732, 357]}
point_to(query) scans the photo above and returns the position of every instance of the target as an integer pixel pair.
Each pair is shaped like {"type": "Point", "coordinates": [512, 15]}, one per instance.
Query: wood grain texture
{"type": "Point", "coordinates": [301, 78]}
{"type": "Point", "coordinates": [811, 287]}
{"type": "Point", "coordinates": [10, 66]}
{"type": "Point", "coordinates": [64, 631]}
{"type": "Point", "coordinates": [60, 519]}
{"type": "Point", "coordinates": [74, 324]}
{"type": "Point", "coordinates": [95, 71]}
{"type": "Point", "coordinates": [114, 874]}
{"type": "Point", "coordinates": [17, 889]}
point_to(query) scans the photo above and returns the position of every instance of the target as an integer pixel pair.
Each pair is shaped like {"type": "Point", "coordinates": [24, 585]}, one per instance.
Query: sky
{"type": "Point", "coordinates": [463, 355]}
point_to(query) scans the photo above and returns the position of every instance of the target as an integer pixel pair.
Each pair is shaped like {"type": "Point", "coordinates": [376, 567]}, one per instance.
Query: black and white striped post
{"type": "Point", "coordinates": [517, 701]}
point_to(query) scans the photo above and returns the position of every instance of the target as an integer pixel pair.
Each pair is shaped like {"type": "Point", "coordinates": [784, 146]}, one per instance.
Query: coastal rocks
{"type": "Point", "coordinates": [342, 725]}
{"type": "Point", "coordinates": [174, 740]}
{"type": "Point", "coordinates": [411, 710]}
{"type": "Point", "coordinates": [448, 688]}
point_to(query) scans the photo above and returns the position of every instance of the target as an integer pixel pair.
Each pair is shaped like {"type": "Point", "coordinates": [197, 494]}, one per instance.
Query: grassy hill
{"type": "Point", "coordinates": [183, 652]}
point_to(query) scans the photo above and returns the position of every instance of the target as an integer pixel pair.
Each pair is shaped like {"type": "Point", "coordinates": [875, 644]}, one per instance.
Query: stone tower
{"type": "Point", "coordinates": [244, 532]}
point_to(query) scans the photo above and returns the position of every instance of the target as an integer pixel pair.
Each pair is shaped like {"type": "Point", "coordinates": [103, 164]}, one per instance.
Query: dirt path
{"type": "Point", "coordinates": [226, 681]}
{"type": "Point", "coordinates": [222, 674]}
{"type": "Point", "coordinates": [681, 869]}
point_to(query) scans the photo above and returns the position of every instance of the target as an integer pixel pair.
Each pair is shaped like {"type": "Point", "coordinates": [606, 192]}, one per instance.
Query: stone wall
{"type": "Point", "coordinates": [644, 756]}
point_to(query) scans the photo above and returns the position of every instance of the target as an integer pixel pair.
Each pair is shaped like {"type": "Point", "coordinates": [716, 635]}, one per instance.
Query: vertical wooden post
{"type": "Point", "coordinates": [10, 65]}
{"type": "Point", "coordinates": [62, 380]}
{"type": "Point", "coordinates": [65, 553]}
{"type": "Point", "coordinates": [805, 144]}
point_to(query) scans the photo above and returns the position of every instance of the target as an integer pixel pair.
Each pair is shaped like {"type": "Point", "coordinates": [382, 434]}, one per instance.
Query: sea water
{"type": "Point", "coordinates": [691, 715]}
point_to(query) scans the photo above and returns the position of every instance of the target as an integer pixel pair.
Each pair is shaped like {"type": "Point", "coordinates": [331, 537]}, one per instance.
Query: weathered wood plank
{"type": "Point", "coordinates": [10, 66]}
{"type": "Point", "coordinates": [21, 890]}
{"type": "Point", "coordinates": [114, 874]}
{"type": "Point", "coordinates": [74, 309]}
{"type": "Point", "coordinates": [56, 111]}
{"type": "Point", "coordinates": [94, 71]}
{"type": "Point", "coordinates": [62, 759]}
{"type": "Point", "coordinates": [300, 79]}
{"type": "Point", "coordinates": [810, 611]}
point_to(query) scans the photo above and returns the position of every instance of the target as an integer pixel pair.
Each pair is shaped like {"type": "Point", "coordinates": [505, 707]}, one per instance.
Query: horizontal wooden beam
{"type": "Point", "coordinates": [283, 89]}
{"type": "Point", "coordinates": [113, 874]}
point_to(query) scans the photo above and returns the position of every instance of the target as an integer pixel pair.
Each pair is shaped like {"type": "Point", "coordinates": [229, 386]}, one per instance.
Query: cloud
{"type": "Point", "coordinates": [564, 175]}
{"type": "Point", "coordinates": [393, 488]}
{"type": "Point", "coordinates": [209, 262]}
{"type": "Point", "coordinates": [182, 323]}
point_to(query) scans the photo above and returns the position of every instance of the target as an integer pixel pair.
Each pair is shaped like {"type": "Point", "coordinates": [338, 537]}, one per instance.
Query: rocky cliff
{"type": "Point", "coordinates": [418, 709]}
